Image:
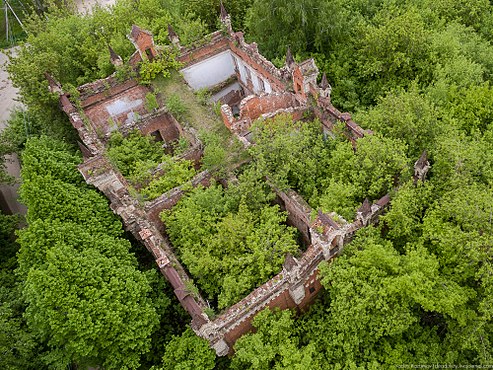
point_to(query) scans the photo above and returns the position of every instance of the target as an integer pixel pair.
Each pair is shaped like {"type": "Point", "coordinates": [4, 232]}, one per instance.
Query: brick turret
{"type": "Point", "coordinates": [143, 42]}
{"type": "Point", "coordinates": [173, 37]}
{"type": "Point", "coordinates": [226, 18]}
{"type": "Point", "coordinates": [115, 59]}
{"type": "Point", "coordinates": [325, 88]}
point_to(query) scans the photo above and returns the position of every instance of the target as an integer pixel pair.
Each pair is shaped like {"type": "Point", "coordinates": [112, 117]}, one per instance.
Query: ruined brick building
{"type": "Point", "coordinates": [249, 87]}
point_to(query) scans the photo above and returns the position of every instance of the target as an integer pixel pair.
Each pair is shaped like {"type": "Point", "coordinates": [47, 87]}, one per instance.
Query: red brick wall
{"type": "Point", "coordinates": [88, 99]}
{"type": "Point", "coordinates": [276, 84]}
{"type": "Point", "coordinates": [298, 83]}
{"type": "Point", "coordinates": [192, 56]}
{"type": "Point", "coordinates": [312, 282]}
{"type": "Point", "coordinates": [99, 116]}
{"type": "Point", "coordinates": [298, 215]}
{"type": "Point", "coordinates": [167, 128]}
{"type": "Point", "coordinates": [254, 106]}
{"type": "Point", "coordinates": [283, 301]}
{"type": "Point", "coordinates": [144, 41]}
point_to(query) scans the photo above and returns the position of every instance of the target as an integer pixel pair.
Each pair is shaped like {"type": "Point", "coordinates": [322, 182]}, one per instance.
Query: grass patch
{"type": "Point", "coordinates": [223, 151]}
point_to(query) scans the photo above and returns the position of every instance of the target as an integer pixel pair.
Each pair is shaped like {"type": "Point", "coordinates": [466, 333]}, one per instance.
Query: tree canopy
{"type": "Point", "coordinates": [85, 297]}
{"type": "Point", "coordinates": [415, 289]}
{"type": "Point", "coordinates": [229, 241]}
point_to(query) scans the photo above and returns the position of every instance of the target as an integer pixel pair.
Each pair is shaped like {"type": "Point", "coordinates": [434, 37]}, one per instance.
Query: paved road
{"type": "Point", "coordinates": [8, 94]}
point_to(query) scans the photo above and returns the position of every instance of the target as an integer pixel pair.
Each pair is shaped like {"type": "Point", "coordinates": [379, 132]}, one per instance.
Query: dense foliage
{"type": "Point", "coordinates": [370, 47]}
{"type": "Point", "coordinates": [79, 280]}
{"type": "Point", "coordinates": [19, 348]}
{"type": "Point", "coordinates": [328, 172]}
{"type": "Point", "coordinates": [188, 351]}
{"type": "Point", "coordinates": [415, 290]}
{"type": "Point", "coordinates": [231, 240]}
{"type": "Point", "coordinates": [142, 160]}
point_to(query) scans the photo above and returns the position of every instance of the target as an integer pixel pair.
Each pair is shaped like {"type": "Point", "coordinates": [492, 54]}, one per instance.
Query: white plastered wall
{"type": "Point", "coordinates": [255, 77]}
{"type": "Point", "coordinates": [210, 72]}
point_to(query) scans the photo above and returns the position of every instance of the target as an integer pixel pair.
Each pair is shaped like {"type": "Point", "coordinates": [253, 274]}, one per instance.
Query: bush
{"type": "Point", "coordinates": [151, 102]}
{"type": "Point", "coordinates": [203, 96]}
{"type": "Point", "coordinates": [176, 106]}
{"type": "Point", "coordinates": [163, 64]}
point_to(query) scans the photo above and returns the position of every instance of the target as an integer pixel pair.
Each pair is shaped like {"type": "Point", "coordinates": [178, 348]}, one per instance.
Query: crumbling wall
{"type": "Point", "coordinates": [91, 144]}
{"type": "Point", "coordinates": [248, 54]}
{"type": "Point", "coordinates": [299, 212]}
{"type": "Point", "coordinates": [164, 123]}
{"type": "Point", "coordinates": [100, 90]}
{"type": "Point", "coordinates": [99, 172]}
{"type": "Point", "coordinates": [125, 107]}
{"type": "Point", "coordinates": [243, 56]}
{"type": "Point", "coordinates": [329, 115]}
{"type": "Point", "coordinates": [169, 199]}
{"type": "Point", "coordinates": [195, 54]}
{"type": "Point", "coordinates": [254, 106]}
{"type": "Point", "coordinates": [143, 42]}
{"type": "Point", "coordinates": [298, 284]}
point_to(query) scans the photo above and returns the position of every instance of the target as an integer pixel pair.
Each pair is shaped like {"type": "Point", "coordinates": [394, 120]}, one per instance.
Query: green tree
{"type": "Point", "coordinates": [188, 351]}
{"type": "Point", "coordinates": [391, 300]}
{"type": "Point", "coordinates": [274, 345]}
{"type": "Point", "coordinates": [230, 245]}
{"type": "Point", "coordinates": [90, 309]}
{"type": "Point", "coordinates": [292, 154]}
{"type": "Point", "coordinates": [267, 22]}
{"type": "Point", "coordinates": [209, 11]}
{"type": "Point", "coordinates": [127, 152]}
{"type": "Point", "coordinates": [409, 116]}
{"type": "Point", "coordinates": [85, 297]}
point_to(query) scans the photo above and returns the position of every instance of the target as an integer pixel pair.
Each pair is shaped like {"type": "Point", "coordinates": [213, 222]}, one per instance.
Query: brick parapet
{"type": "Point", "coordinates": [99, 172]}
{"type": "Point", "coordinates": [195, 54]}
{"type": "Point", "coordinates": [169, 199]}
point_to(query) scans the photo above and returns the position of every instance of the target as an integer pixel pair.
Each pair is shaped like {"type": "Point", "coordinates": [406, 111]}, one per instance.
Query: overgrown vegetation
{"type": "Point", "coordinates": [77, 291]}
{"type": "Point", "coordinates": [231, 240]}
{"type": "Point", "coordinates": [415, 290]}
{"type": "Point", "coordinates": [143, 162]}
{"type": "Point", "coordinates": [222, 152]}
{"type": "Point", "coordinates": [327, 171]}
{"type": "Point", "coordinates": [160, 65]}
